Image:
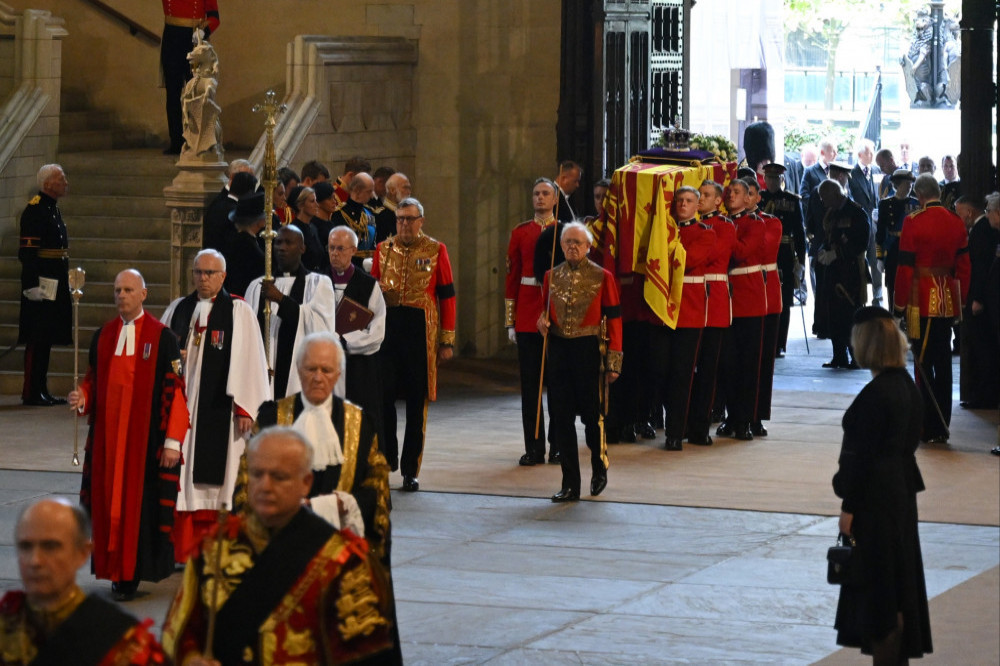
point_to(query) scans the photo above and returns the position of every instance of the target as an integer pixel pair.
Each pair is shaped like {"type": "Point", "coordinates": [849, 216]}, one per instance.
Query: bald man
{"type": "Point", "coordinates": [134, 397]}
{"type": "Point", "coordinates": [355, 215]}
{"type": "Point", "coordinates": [52, 621]}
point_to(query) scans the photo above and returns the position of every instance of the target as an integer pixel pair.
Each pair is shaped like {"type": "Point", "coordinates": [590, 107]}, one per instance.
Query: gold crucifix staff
{"type": "Point", "coordinates": [77, 277]}
{"type": "Point", "coordinates": [269, 179]}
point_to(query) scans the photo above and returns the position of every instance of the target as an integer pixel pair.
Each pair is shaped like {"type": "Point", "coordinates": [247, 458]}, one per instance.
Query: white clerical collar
{"type": "Point", "coordinates": [326, 405]}
{"type": "Point", "coordinates": [126, 337]}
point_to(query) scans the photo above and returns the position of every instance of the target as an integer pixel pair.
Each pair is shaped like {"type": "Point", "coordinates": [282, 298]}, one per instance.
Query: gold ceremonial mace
{"type": "Point", "coordinates": [269, 179]}
{"type": "Point", "coordinates": [548, 304]}
{"type": "Point", "coordinates": [77, 277]}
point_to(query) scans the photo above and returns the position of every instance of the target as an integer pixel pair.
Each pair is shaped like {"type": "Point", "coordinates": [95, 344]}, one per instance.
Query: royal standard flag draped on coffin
{"type": "Point", "coordinates": [638, 230]}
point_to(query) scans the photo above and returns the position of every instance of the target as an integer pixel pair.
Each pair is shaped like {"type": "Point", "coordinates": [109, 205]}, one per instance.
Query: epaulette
{"type": "Point", "coordinates": [35, 200]}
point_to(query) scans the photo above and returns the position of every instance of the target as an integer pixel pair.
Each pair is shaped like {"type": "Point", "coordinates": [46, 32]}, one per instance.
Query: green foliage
{"type": "Point", "coordinates": [723, 148]}
{"type": "Point", "coordinates": [799, 133]}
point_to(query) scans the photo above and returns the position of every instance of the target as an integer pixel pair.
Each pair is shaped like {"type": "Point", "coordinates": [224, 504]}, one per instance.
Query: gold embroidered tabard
{"type": "Point", "coordinates": [573, 291]}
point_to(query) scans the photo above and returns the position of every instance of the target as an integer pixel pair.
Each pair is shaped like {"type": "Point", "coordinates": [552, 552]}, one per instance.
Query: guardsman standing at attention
{"type": "Point", "coordinates": [46, 310]}
{"type": "Point", "coordinates": [524, 303]}
{"type": "Point", "coordinates": [181, 18]}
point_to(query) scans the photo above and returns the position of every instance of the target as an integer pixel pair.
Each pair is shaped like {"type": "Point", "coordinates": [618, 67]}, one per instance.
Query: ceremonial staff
{"type": "Point", "coordinates": [213, 607]}
{"type": "Point", "coordinates": [548, 303]}
{"type": "Point", "coordinates": [269, 180]}
{"type": "Point", "coordinates": [77, 277]}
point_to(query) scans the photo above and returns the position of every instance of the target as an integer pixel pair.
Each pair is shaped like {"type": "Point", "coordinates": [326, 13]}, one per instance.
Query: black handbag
{"type": "Point", "coordinates": [838, 561]}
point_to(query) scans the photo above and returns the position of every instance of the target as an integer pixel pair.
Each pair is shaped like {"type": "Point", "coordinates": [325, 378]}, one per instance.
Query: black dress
{"type": "Point", "coordinates": [879, 481]}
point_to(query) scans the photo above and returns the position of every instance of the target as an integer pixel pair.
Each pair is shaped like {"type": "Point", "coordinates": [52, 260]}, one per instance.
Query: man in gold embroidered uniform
{"type": "Point", "coordinates": [346, 455]}
{"type": "Point", "coordinates": [52, 621]}
{"type": "Point", "coordinates": [414, 273]}
{"type": "Point", "coordinates": [355, 215]}
{"type": "Point", "coordinates": [581, 294]}
{"type": "Point", "coordinates": [293, 588]}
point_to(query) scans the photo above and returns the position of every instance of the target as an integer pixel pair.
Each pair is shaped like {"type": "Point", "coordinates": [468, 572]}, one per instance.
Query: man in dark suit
{"type": "Point", "coordinates": [861, 186]}
{"type": "Point", "coordinates": [217, 230]}
{"type": "Point", "coordinates": [818, 172]}
{"type": "Point", "coordinates": [568, 181]}
{"type": "Point", "coordinates": [244, 258]}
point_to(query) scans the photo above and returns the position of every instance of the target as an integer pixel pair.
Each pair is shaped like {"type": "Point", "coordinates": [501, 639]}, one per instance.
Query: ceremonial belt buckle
{"type": "Point", "coordinates": [746, 270]}
{"type": "Point", "coordinates": [770, 267]}
{"type": "Point", "coordinates": [48, 253]}
{"type": "Point", "coordinates": [182, 22]}
{"type": "Point", "coordinates": [529, 281]}
{"type": "Point", "coordinates": [694, 279]}
{"type": "Point", "coordinates": [716, 277]}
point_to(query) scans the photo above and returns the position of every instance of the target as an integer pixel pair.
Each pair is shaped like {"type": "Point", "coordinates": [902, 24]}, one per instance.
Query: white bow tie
{"type": "Point", "coordinates": [126, 340]}
{"type": "Point", "coordinates": [316, 425]}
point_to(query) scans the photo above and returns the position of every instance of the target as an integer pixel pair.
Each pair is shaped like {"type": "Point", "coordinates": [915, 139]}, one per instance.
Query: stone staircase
{"type": "Point", "coordinates": [116, 219]}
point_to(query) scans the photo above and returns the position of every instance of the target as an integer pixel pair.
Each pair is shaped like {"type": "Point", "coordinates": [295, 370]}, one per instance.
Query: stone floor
{"type": "Point", "coordinates": [514, 579]}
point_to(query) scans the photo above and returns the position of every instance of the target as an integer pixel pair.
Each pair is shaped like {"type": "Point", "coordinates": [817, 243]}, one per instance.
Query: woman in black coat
{"type": "Point", "coordinates": [883, 610]}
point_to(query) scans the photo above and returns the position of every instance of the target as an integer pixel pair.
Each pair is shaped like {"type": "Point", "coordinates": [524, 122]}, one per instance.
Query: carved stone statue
{"type": "Point", "coordinates": [202, 129]}
{"type": "Point", "coordinates": [932, 74]}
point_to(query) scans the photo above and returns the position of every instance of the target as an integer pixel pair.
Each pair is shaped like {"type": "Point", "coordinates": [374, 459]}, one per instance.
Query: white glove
{"type": "Point", "coordinates": [511, 334]}
{"type": "Point", "coordinates": [827, 257]}
{"type": "Point", "coordinates": [33, 294]}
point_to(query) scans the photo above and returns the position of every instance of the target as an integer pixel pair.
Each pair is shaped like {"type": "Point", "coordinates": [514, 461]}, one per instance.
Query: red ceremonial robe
{"type": "Point", "coordinates": [135, 403]}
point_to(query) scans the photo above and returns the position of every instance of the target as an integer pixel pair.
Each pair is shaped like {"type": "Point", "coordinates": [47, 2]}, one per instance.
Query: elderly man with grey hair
{"type": "Point", "coordinates": [227, 380]}
{"type": "Point", "coordinates": [346, 454]}
{"type": "Point", "coordinates": [355, 215]}
{"type": "Point", "coordinates": [46, 312]}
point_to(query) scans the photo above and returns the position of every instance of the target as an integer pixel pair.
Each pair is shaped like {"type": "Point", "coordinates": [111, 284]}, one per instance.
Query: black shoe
{"type": "Point", "coordinates": [529, 460]}
{"type": "Point", "coordinates": [706, 440]}
{"type": "Point", "coordinates": [673, 444]}
{"type": "Point", "coordinates": [566, 495]}
{"type": "Point", "coordinates": [780, 354]}
{"type": "Point", "coordinates": [758, 429]}
{"type": "Point", "coordinates": [54, 400]}
{"type": "Point", "coordinates": [938, 439]}
{"type": "Point", "coordinates": [124, 591]}
{"type": "Point", "coordinates": [724, 430]}
{"type": "Point", "coordinates": [973, 404]}
{"type": "Point", "coordinates": [39, 400]}
{"type": "Point", "coordinates": [995, 450]}
{"type": "Point", "coordinates": [628, 434]}
{"type": "Point", "coordinates": [598, 482]}
{"type": "Point", "coordinates": [743, 433]}
{"type": "Point", "coordinates": [555, 458]}
{"type": "Point", "coordinates": [646, 431]}
{"type": "Point", "coordinates": [836, 363]}
{"type": "Point", "coordinates": [853, 365]}
{"type": "Point", "coordinates": [410, 484]}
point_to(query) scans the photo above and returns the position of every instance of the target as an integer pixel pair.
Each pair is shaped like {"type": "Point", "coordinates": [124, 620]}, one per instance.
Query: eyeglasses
{"type": "Point", "coordinates": [203, 273]}
{"type": "Point", "coordinates": [340, 248]}
{"type": "Point", "coordinates": [573, 242]}
{"type": "Point", "coordinates": [408, 219]}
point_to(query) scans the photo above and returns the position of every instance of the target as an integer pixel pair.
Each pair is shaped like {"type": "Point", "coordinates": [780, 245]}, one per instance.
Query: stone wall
{"type": "Point", "coordinates": [30, 64]}
{"type": "Point", "coordinates": [486, 88]}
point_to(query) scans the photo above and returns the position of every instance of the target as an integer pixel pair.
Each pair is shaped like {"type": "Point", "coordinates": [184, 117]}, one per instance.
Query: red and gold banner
{"type": "Point", "coordinates": [637, 228]}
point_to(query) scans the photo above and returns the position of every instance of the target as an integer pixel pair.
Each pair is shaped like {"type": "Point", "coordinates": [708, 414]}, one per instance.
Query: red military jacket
{"type": "Point", "coordinates": [698, 240]}
{"type": "Point", "coordinates": [190, 13]}
{"type": "Point", "coordinates": [720, 306]}
{"type": "Point", "coordinates": [746, 273]}
{"type": "Point", "coordinates": [772, 243]}
{"type": "Point", "coordinates": [522, 294]}
{"type": "Point", "coordinates": [934, 269]}
{"type": "Point", "coordinates": [580, 297]}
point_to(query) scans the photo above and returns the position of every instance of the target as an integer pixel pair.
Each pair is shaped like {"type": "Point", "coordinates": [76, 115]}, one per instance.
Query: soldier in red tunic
{"type": "Point", "coordinates": [746, 278]}
{"type": "Point", "coordinates": [719, 313]}
{"type": "Point", "coordinates": [582, 293]}
{"type": "Point", "coordinates": [523, 304]}
{"type": "Point", "coordinates": [678, 374]}
{"type": "Point", "coordinates": [932, 283]}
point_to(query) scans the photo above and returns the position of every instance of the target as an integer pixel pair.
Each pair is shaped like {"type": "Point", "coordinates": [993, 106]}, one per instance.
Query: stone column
{"type": "Point", "coordinates": [186, 198]}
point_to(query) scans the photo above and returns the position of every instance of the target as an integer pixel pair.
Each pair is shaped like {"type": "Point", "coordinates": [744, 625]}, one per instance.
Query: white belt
{"type": "Point", "coordinates": [746, 270]}
{"type": "Point", "coordinates": [716, 277]}
{"type": "Point", "coordinates": [694, 279]}
{"type": "Point", "coordinates": [770, 267]}
{"type": "Point", "coordinates": [529, 281]}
